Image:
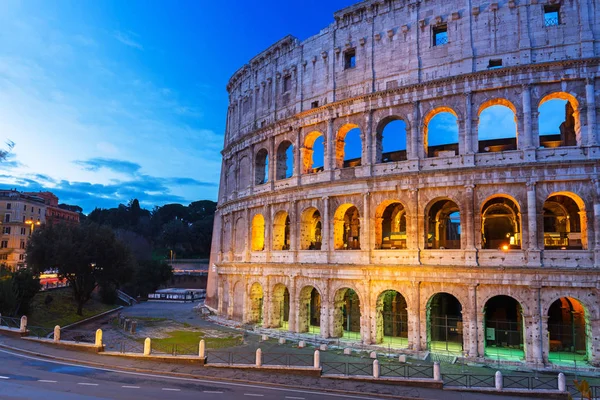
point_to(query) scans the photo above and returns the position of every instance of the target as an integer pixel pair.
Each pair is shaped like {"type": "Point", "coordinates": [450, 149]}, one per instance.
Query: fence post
{"type": "Point", "coordinates": [376, 370]}
{"type": "Point", "coordinates": [147, 346]}
{"type": "Point", "coordinates": [23, 327]}
{"type": "Point", "coordinates": [258, 357]}
{"type": "Point", "coordinates": [317, 358]}
{"type": "Point", "coordinates": [437, 373]}
{"type": "Point", "coordinates": [98, 338]}
{"type": "Point", "coordinates": [133, 326]}
{"type": "Point", "coordinates": [57, 333]}
{"type": "Point", "coordinates": [201, 349]}
{"type": "Point", "coordinates": [498, 380]}
{"type": "Point", "coordinates": [562, 382]}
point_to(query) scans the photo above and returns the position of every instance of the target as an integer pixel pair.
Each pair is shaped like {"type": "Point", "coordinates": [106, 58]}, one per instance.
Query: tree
{"type": "Point", "coordinates": [17, 289]}
{"type": "Point", "coordinates": [86, 255]}
{"type": "Point", "coordinates": [149, 276]}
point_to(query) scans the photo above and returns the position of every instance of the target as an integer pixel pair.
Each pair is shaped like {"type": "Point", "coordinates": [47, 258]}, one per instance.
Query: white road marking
{"type": "Point", "coordinates": [253, 395]}
{"type": "Point", "coordinates": [294, 398]}
{"type": "Point", "coordinates": [204, 381]}
{"type": "Point", "coordinates": [130, 387]}
{"type": "Point", "coordinates": [171, 390]}
{"type": "Point", "coordinates": [87, 384]}
{"type": "Point", "coordinates": [212, 391]}
{"type": "Point", "coordinates": [4, 377]}
{"type": "Point", "coordinates": [46, 381]}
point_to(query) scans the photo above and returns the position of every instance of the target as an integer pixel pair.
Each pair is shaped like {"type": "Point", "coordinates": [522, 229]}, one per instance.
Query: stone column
{"type": "Point", "coordinates": [294, 231]}
{"type": "Point", "coordinates": [248, 236]}
{"type": "Point", "coordinates": [267, 305]}
{"type": "Point", "coordinates": [366, 242]}
{"type": "Point", "coordinates": [367, 159]}
{"type": "Point", "coordinates": [545, 345]}
{"type": "Point", "coordinates": [415, 132]}
{"type": "Point", "coordinates": [414, 318]}
{"type": "Point", "coordinates": [269, 233]}
{"type": "Point", "coordinates": [365, 316]}
{"type": "Point", "coordinates": [326, 309]}
{"type": "Point", "coordinates": [230, 304]}
{"type": "Point", "coordinates": [297, 157]}
{"type": "Point", "coordinates": [470, 250]}
{"type": "Point", "coordinates": [252, 168]}
{"type": "Point", "coordinates": [533, 250]}
{"type": "Point", "coordinates": [480, 335]}
{"type": "Point", "coordinates": [591, 111]}
{"type": "Point", "coordinates": [272, 162]}
{"type": "Point", "coordinates": [473, 327]}
{"type": "Point", "coordinates": [526, 142]}
{"type": "Point", "coordinates": [596, 219]}
{"type": "Point", "coordinates": [220, 296]}
{"type": "Point", "coordinates": [412, 229]}
{"type": "Point", "coordinates": [469, 136]}
{"type": "Point", "coordinates": [293, 312]}
{"type": "Point", "coordinates": [329, 147]}
{"type": "Point", "coordinates": [326, 234]}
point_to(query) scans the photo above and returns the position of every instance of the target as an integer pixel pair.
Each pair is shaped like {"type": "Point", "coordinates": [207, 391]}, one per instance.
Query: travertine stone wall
{"type": "Point", "coordinates": [295, 92]}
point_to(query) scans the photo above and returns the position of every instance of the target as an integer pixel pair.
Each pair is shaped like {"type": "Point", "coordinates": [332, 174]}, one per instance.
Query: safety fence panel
{"type": "Point", "coordinates": [10, 322]}
{"type": "Point", "coordinates": [469, 381]}
{"type": "Point", "coordinates": [529, 382]}
{"type": "Point", "coordinates": [78, 336]}
{"type": "Point", "coordinates": [40, 332]}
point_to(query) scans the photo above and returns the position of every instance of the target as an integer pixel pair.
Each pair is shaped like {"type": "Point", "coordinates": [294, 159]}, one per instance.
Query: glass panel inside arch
{"type": "Point", "coordinates": [497, 130]}
{"type": "Point", "coordinates": [442, 136]}
{"type": "Point", "coordinates": [503, 326]}
{"type": "Point", "coordinates": [568, 332]}
{"type": "Point", "coordinates": [444, 324]}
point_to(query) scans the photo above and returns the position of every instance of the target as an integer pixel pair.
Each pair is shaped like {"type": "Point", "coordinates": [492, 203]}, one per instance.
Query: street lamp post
{"type": "Point", "coordinates": [32, 224]}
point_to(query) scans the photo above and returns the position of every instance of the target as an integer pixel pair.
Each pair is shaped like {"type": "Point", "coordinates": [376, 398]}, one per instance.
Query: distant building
{"type": "Point", "coordinates": [56, 212]}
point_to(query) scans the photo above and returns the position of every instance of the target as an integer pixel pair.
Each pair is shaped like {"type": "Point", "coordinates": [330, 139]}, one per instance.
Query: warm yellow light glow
{"type": "Point", "coordinates": [505, 247]}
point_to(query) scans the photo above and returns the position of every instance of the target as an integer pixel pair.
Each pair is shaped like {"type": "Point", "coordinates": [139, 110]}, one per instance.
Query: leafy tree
{"type": "Point", "coordinates": [17, 289]}
{"type": "Point", "coordinates": [86, 255]}
{"type": "Point", "coordinates": [149, 276]}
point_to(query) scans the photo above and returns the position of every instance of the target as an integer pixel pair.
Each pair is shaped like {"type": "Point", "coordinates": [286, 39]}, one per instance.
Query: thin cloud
{"type": "Point", "coordinates": [120, 166]}
{"type": "Point", "coordinates": [127, 40]}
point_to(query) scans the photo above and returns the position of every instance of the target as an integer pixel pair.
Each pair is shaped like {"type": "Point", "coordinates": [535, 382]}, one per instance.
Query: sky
{"type": "Point", "coordinates": [107, 101]}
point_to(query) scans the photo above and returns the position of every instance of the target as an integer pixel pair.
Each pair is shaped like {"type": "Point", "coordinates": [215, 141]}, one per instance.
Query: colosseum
{"type": "Point", "coordinates": [361, 200]}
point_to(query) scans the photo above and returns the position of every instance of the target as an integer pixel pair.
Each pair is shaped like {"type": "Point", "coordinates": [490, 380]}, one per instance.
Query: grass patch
{"type": "Point", "coordinates": [190, 338]}
{"type": "Point", "coordinates": [62, 310]}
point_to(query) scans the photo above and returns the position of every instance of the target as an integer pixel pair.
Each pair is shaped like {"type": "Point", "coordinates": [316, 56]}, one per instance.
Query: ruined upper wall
{"type": "Point", "coordinates": [394, 45]}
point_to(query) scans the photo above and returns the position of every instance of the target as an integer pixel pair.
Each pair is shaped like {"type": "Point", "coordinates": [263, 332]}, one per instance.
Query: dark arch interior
{"type": "Point", "coordinates": [504, 324]}
{"type": "Point", "coordinates": [567, 327]}
{"type": "Point", "coordinates": [445, 323]}
{"type": "Point", "coordinates": [562, 224]}
{"type": "Point", "coordinates": [444, 226]}
{"type": "Point", "coordinates": [501, 225]}
{"type": "Point", "coordinates": [393, 227]}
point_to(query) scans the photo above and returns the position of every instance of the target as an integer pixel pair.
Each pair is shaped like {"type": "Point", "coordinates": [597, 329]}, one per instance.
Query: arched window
{"type": "Point", "coordinates": [558, 120]}
{"type": "Point", "coordinates": [346, 228]}
{"type": "Point", "coordinates": [569, 333]}
{"type": "Point", "coordinates": [390, 230]}
{"type": "Point", "coordinates": [444, 225]}
{"type": "Point", "coordinates": [281, 231]}
{"type": "Point", "coordinates": [348, 150]}
{"type": "Point", "coordinates": [444, 324]}
{"type": "Point", "coordinates": [285, 160]}
{"type": "Point", "coordinates": [310, 230]}
{"type": "Point", "coordinates": [500, 224]}
{"type": "Point", "coordinates": [392, 319]}
{"type": "Point", "coordinates": [261, 167]}
{"type": "Point", "coordinates": [346, 315]}
{"type": "Point", "coordinates": [313, 159]}
{"type": "Point", "coordinates": [564, 223]}
{"type": "Point", "coordinates": [309, 310]}
{"type": "Point", "coordinates": [504, 318]}
{"type": "Point", "coordinates": [441, 133]}
{"type": "Point", "coordinates": [258, 233]}
{"type": "Point", "coordinates": [497, 129]}
{"type": "Point", "coordinates": [391, 140]}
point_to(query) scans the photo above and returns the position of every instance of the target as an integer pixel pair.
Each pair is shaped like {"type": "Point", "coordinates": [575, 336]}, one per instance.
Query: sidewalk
{"type": "Point", "coordinates": [195, 371]}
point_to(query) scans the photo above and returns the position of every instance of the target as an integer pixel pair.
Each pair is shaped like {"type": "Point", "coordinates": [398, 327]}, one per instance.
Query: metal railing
{"type": "Point", "coordinates": [469, 381]}
{"type": "Point", "coordinates": [347, 368]}
{"type": "Point", "coordinates": [10, 322]}
{"type": "Point", "coordinates": [174, 349]}
{"type": "Point", "coordinates": [529, 382]}
{"type": "Point", "coordinates": [288, 360]}
{"type": "Point", "coordinates": [40, 332]}
{"type": "Point", "coordinates": [78, 336]}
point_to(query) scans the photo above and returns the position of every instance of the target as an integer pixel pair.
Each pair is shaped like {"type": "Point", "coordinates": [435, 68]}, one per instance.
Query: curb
{"type": "Point", "coordinates": [194, 377]}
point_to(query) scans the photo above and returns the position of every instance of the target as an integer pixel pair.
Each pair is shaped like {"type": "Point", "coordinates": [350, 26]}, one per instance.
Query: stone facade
{"type": "Point", "coordinates": [323, 247]}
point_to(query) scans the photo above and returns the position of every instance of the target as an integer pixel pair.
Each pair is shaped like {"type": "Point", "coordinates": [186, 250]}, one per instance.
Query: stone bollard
{"type": "Point", "coordinates": [498, 380]}
{"type": "Point", "coordinates": [376, 370]}
{"type": "Point", "coordinates": [202, 349]}
{"type": "Point", "coordinates": [258, 357]}
{"type": "Point", "coordinates": [317, 358]}
{"type": "Point", "coordinates": [301, 344]}
{"type": "Point", "coordinates": [264, 338]}
{"type": "Point", "coordinates": [347, 351]}
{"type": "Point", "coordinates": [98, 342]}
{"type": "Point", "coordinates": [437, 373]}
{"type": "Point", "coordinates": [281, 340]}
{"type": "Point", "coordinates": [147, 346]}
{"type": "Point", "coordinates": [126, 324]}
{"type": "Point", "coordinates": [23, 327]}
{"type": "Point", "coordinates": [373, 355]}
{"type": "Point", "coordinates": [562, 382]}
{"type": "Point", "coordinates": [402, 358]}
{"type": "Point", "coordinates": [133, 326]}
{"type": "Point", "coordinates": [57, 333]}
{"type": "Point", "coordinates": [323, 347]}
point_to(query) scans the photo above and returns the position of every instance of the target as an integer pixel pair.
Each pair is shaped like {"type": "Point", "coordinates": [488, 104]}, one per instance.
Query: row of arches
{"type": "Point", "coordinates": [497, 130]}
{"type": "Point", "coordinates": [503, 319]}
{"type": "Point", "coordinates": [564, 226]}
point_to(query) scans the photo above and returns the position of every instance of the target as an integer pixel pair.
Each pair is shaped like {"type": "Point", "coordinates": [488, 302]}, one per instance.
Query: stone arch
{"type": "Point", "coordinates": [499, 141]}
{"type": "Point", "coordinates": [569, 330]}
{"type": "Point", "coordinates": [391, 225]}
{"type": "Point", "coordinates": [346, 314]}
{"type": "Point", "coordinates": [444, 323]}
{"type": "Point", "coordinates": [258, 233]}
{"type": "Point", "coordinates": [244, 171]}
{"type": "Point", "coordinates": [239, 293]}
{"type": "Point", "coordinates": [341, 159]}
{"type": "Point", "coordinates": [443, 222]}
{"type": "Point", "coordinates": [285, 160]}
{"type": "Point", "coordinates": [443, 149]}
{"type": "Point", "coordinates": [391, 318]}
{"type": "Point", "coordinates": [504, 328]}
{"type": "Point", "coordinates": [280, 306]}
{"type": "Point", "coordinates": [309, 309]}
{"type": "Point", "coordinates": [261, 167]}
{"type": "Point", "coordinates": [501, 225]}
{"type": "Point", "coordinates": [311, 229]}
{"type": "Point", "coordinates": [281, 231]}
{"type": "Point", "coordinates": [240, 236]}
{"type": "Point", "coordinates": [564, 222]}
{"type": "Point", "coordinates": [346, 228]}
{"type": "Point", "coordinates": [255, 303]}
{"type": "Point", "coordinates": [570, 129]}
{"type": "Point", "coordinates": [396, 150]}
{"type": "Point", "coordinates": [231, 179]}
{"type": "Point", "coordinates": [314, 141]}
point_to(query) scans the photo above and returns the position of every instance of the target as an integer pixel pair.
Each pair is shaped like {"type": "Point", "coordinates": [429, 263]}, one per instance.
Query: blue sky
{"type": "Point", "coordinates": [111, 100]}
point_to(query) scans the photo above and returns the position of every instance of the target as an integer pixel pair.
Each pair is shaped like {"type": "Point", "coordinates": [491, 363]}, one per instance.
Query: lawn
{"type": "Point", "coordinates": [192, 338]}
{"type": "Point", "coordinates": [62, 310]}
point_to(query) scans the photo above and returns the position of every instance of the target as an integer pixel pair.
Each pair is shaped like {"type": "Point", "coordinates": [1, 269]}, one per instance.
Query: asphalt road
{"type": "Point", "coordinates": [26, 377]}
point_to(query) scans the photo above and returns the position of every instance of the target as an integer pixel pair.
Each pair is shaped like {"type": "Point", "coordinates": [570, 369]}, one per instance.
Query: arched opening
{"type": "Point", "coordinates": [503, 324]}
{"type": "Point", "coordinates": [309, 311]}
{"type": "Point", "coordinates": [444, 323]}
{"type": "Point", "coordinates": [244, 171]}
{"type": "Point", "coordinates": [497, 129]}
{"type": "Point", "coordinates": [238, 301]}
{"type": "Point", "coordinates": [346, 314]}
{"type": "Point", "coordinates": [390, 228]}
{"type": "Point", "coordinates": [240, 236]}
{"type": "Point", "coordinates": [348, 150]}
{"type": "Point", "coordinates": [564, 223]}
{"type": "Point", "coordinates": [280, 315]}
{"type": "Point", "coordinates": [392, 319]}
{"type": "Point", "coordinates": [500, 224]}
{"type": "Point", "coordinates": [310, 229]}
{"type": "Point", "coordinates": [231, 179]}
{"type": "Point", "coordinates": [346, 228]}
{"type": "Point", "coordinates": [258, 233]}
{"type": "Point", "coordinates": [285, 160]}
{"type": "Point", "coordinates": [443, 221]}
{"type": "Point", "coordinates": [391, 140]}
{"type": "Point", "coordinates": [224, 311]}
{"type": "Point", "coordinates": [558, 121]}
{"type": "Point", "coordinates": [255, 309]}
{"type": "Point", "coordinates": [313, 159]}
{"type": "Point", "coordinates": [567, 332]}
{"type": "Point", "coordinates": [261, 167]}
{"type": "Point", "coordinates": [281, 231]}
{"type": "Point", "coordinates": [441, 133]}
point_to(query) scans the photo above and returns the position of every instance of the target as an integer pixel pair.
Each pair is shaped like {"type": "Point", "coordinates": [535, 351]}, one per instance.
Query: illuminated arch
{"type": "Point", "coordinates": [346, 228]}
{"type": "Point", "coordinates": [431, 151]}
